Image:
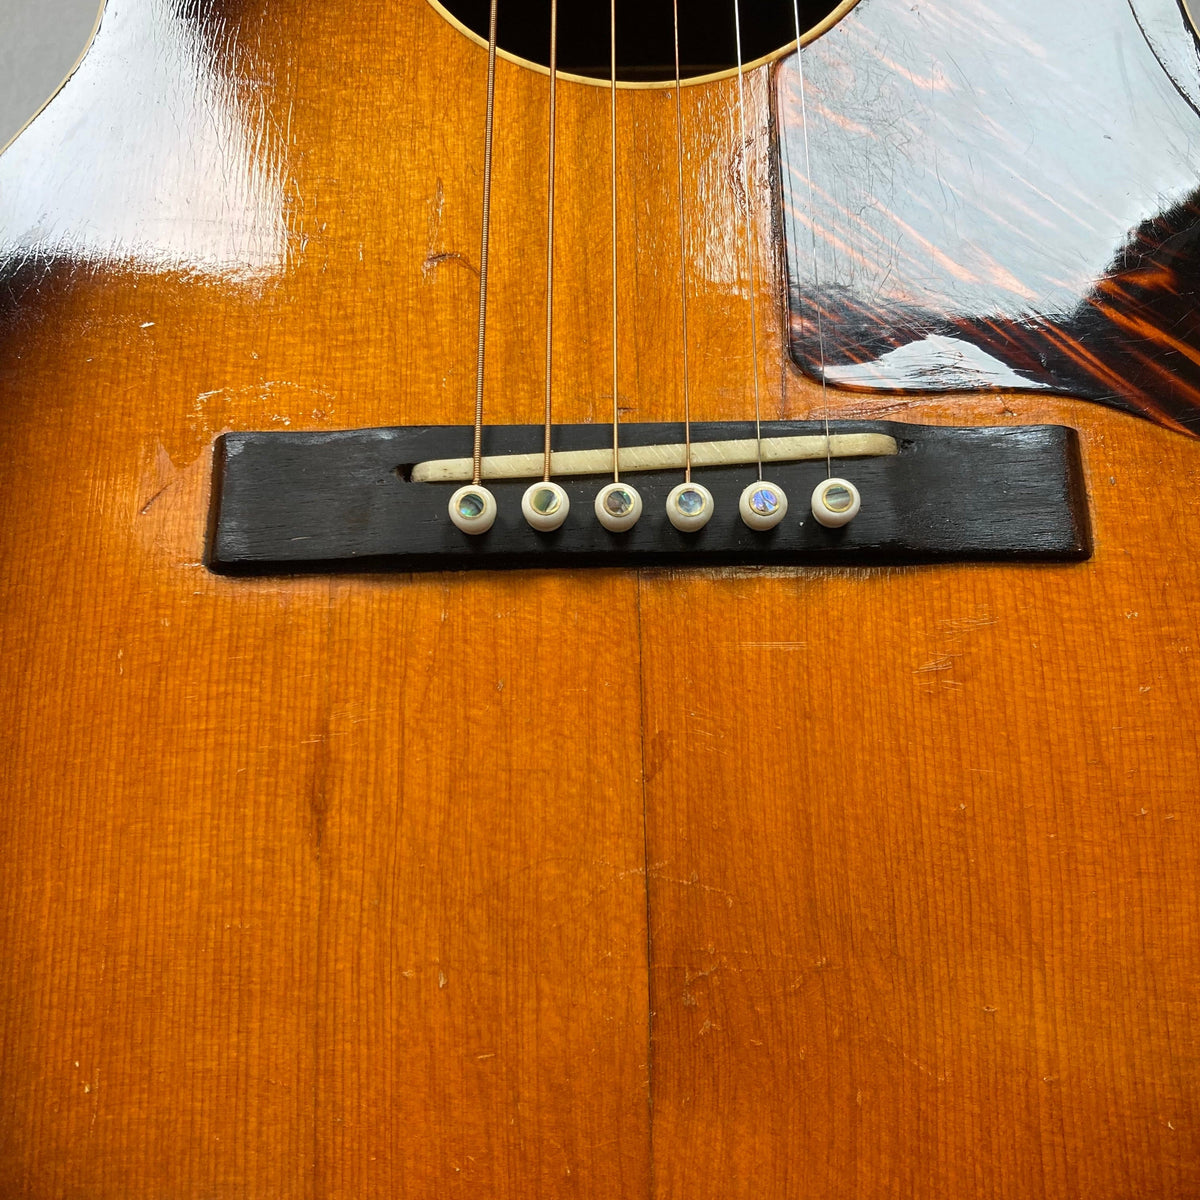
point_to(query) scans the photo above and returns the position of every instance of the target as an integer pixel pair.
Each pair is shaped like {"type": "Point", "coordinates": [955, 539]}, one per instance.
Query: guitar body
{"type": "Point", "coordinates": [709, 883]}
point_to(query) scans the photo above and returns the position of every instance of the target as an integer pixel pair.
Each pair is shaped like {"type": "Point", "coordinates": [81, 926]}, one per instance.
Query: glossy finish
{"type": "Point", "coordinates": [185, 172]}
{"type": "Point", "coordinates": [1001, 197]}
{"type": "Point", "coordinates": [877, 883]}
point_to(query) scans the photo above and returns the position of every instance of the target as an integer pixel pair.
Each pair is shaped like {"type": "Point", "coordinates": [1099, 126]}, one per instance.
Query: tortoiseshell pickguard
{"type": "Point", "coordinates": [1003, 196]}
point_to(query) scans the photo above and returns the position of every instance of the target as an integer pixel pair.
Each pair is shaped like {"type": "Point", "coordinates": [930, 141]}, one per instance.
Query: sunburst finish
{"type": "Point", "coordinates": [829, 883]}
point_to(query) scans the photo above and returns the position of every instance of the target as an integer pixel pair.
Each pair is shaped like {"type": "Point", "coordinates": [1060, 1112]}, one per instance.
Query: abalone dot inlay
{"type": "Point", "coordinates": [765, 501]}
{"type": "Point", "coordinates": [837, 498]}
{"type": "Point", "coordinates": [471, 505]}
{"type": "Point", "coordinates": [544, 501]}
{"type": "Point", "coordinates": [618, 502]}
{"type": "Point", "coordinates": [690, 502]}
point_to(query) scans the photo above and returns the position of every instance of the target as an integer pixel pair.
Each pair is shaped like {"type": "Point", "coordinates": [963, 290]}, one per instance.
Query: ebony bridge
{"type": "Point", "coordinates": [348, 500]}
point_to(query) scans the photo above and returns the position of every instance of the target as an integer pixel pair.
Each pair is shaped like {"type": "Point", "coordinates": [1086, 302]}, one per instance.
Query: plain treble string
{"type": "Point", "coordinates": [687, 405]}
{"type": "Point", "coordinates": [812, 225]}
{"type": "Point", "coordinates": [749, 228]}
{"type": "Point", "coordinates": [762, 505]}
{"type": "Point", "coordinates": [835, 501]}
{"type": "Point", "coordinates": [550, 239]}
{"type": "Point", "coordinates": [612, 94]}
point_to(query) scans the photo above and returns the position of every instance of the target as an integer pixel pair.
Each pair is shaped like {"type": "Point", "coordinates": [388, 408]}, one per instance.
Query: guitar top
{"type": "Point", "coordinates": [799, 859]}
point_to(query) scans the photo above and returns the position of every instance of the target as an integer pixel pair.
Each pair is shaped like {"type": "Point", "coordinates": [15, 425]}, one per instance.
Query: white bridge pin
{"type": "Point", "coordinates": [689, 506]}
{"type": "Point", "coordinates": [835, 502]}
{"type": "Point", "coordinates": [545, 506]}
{"type": "Point", "coordinates": [473, 509]}
{"type": "Point", "coordinates": [618, 507]}
{"type": "Point", "coordinates": [763, 505]}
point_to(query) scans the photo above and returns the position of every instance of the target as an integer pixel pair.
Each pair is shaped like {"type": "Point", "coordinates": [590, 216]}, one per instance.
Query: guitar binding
{"type": "Point", "coordinates": [305, 502]}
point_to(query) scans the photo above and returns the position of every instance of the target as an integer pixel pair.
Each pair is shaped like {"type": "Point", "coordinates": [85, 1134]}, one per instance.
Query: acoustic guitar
{"type": "Point", "coordinates": [603, 615]}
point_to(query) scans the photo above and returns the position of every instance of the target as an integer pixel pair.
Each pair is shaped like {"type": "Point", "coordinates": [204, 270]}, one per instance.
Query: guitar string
{"type": "Point", "coordinates": [477, 450]}
{"type": "Point", "coordinates": [687, 403]}
{"type": "Point", "coordinates": [612, 97]}
{"type": "Point", "coordinates": [749, 231]}
{"type": "Point", "coordinates": [550, 242]}
{"type": "Point", "coordinates": [812, 224]}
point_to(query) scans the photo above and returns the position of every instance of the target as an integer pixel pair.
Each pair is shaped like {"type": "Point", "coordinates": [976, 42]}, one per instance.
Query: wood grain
{"type": "Point", "coordinates": [823, 883]}
{"type": "Point", "coordinates": [923, 895]}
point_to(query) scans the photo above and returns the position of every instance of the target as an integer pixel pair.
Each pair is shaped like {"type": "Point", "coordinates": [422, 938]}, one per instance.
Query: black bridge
{"type": "Point", "coordinates": [341, 501]}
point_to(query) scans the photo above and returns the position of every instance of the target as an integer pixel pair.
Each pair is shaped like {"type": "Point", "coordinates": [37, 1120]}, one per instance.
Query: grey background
{"type": "Point", "coordinates": [39, 43]}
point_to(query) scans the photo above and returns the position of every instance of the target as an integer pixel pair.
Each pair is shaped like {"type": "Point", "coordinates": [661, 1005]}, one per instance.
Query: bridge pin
{"type": "Point", "coordinates": [473, 509]}
{"type": "Point", "coordinates": [835, 502]}
{"type": "Point", "coordinates": [763, 505]}
{"type": "Point", "coordinates": [689, 507]}
{"type": "Point", "coordinates": [618, 507]}
{"type": "Point", "coordinates": [545, 506]}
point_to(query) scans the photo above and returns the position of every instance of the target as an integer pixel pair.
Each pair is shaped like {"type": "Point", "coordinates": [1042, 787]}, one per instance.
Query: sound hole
{"type": "Point", "coordinates": [645, 33]}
